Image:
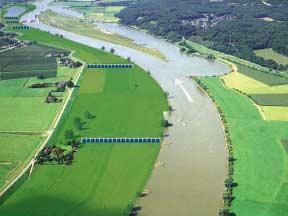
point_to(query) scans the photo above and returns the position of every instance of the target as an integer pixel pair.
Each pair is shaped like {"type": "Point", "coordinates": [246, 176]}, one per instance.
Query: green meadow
{"type": "Point", "coordinates": [262, 76]}
{"type": "Point", "coordinates": [270, 99]}
{"type": "Point", "coordinates": [261, 168]}
{"type": "Point", "coordinates": [15, 150]}
{"type": "Point", "coordinates": [270, 54]}
{"type": "Point", "coordinates": [104, 179]}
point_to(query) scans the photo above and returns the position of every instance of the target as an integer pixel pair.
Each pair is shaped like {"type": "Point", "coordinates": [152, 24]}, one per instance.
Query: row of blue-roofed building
{"type": "Point", "coordinates": [109, 65]}
{"type": "Point", "coordinates": [121, 140]}
{"type": "Point", "coordinates": [21, 27]}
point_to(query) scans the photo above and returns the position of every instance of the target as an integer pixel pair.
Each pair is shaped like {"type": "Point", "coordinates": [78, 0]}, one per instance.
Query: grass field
{"type": "Point", "coordinates": [241, 82]}
{"type": "Point", "coordinates": [270, 99]}
{"type": "Point", "coordinates": [275, 113]}
{"type": "Point", "coordinates": [23, 108]}
{"type": "Point", "coordinates": [95, 12]}
{"type": "Point", "coordinates": [266, 78]}
{"type": "Point", "coordinates": [15, 149]}
{"type": "Point", "coordinates": [269, 90]}
{"type": "Point", "coordinates": [104, 179]}
{"type": "Point", "coordinates": [261, 161]}
{"type": "Point", "coordinates": [270, 54]}
{"type": "Point", "coordinates": [86, 28]}
{"type": "Point", "coordinates": [103, 14]}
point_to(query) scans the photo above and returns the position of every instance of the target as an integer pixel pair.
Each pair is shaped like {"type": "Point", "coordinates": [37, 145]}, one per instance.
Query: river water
{"type": "Point", "coordinates": [188, 179]}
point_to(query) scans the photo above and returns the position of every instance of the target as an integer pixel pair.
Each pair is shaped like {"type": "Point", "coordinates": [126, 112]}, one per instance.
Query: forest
{"type": "Point", "coordinates": [235, 27]}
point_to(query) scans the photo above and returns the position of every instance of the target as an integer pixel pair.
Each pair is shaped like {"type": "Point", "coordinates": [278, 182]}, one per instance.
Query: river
{"type": "Point", "coordinates": [188, 179]}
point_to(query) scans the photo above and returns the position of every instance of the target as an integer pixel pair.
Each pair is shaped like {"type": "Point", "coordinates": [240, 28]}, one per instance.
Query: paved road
{"type": "Point", "coordinates": [190, 182]}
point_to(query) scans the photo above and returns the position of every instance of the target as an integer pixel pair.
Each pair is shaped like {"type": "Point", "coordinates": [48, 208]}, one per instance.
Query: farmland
{"type": "Point", "coordinates": [264, 77]}
{"type": "Point", "coordinates": [18, 148]}
{"type": "Point", "coordinates": [275, 113]}
{"type": "Point", "coordinates": [260, 169]}
{"type": "Point", "coordinates": [28, 62]}
{"type": "Point", "coordinates": [270, 99]}
{"type": "Point", "coordinates": [24, 119]}
{"type": "Point", "coordinates": [241, 82]}
{"type": "Point", "coordinates": [266, 90]}
{"type": "Point", "coordinates": [103, 179]}
{"type": "Point", "coordinates": [270, 54]}
{"type": "Point", "coordinates": [94, 12]}
{"type": "Point", "coordinates": [88, 29]}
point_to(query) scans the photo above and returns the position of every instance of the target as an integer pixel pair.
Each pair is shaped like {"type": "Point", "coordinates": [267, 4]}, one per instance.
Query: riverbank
{"type": "Point", "coordinates": [87, 28]}
{"type": "Point", "coordinates": [250, 174]}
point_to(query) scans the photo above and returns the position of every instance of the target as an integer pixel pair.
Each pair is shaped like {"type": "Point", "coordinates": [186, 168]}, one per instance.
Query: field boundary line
{"type": "Point", "coordinates": [53, 126]}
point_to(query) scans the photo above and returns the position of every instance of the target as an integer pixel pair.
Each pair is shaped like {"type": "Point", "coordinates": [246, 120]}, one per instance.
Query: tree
{"type": "Point", "coordinates": [166, 124]}
{"type": "Point", "coordinates": [88, 115]}
{"type": "Point", "coordinates": [182, 49]}
{"type": "Point", "coordinates": [103, 47]}
{"type": "Point", "coordinates": [70, 83]}
{"type": "Point", "coordinates": [78, 123]}
{"type": "Point", "coordinates": [69, 135]}
{"type": "Point", "coordinates": [223, 212]}
{"type": "Point", "coordinates": [112, 50]}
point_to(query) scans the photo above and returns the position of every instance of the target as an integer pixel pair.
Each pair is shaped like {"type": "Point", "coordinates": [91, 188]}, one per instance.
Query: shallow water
{"type": "Point", "coordinates": [189, 179]}
{"type": "Point", "coordinates": [14, 11]}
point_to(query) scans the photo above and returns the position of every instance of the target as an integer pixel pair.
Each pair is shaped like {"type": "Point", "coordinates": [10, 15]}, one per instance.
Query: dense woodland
{"type": "Point", "coordinates": [232, 26]}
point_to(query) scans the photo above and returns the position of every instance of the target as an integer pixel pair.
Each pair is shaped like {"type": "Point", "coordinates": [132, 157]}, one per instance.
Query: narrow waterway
{"type": "Point", "coordinates": [188, 178]}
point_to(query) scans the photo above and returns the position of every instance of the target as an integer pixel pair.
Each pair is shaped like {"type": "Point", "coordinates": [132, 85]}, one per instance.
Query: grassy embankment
{"type": "Point", "coordinates": [104, 179]}
{"type": "Point", "coordinates": [86, 28]}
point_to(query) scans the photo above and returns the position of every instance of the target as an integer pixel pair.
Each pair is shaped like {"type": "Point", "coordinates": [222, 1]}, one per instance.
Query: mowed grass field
{"type": "Point", "coordinates": [270, 99]}
{"type": "Point", "coordinates": [270, 54]}
{"type": "Point", "coordinates": [260, 169]}
{"type": "Point", "coordinates": [264, 77]}
{"type": "Point", "coordinates": [104, 179]}
{"type": "Point", "coordinates": [15, 150]}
